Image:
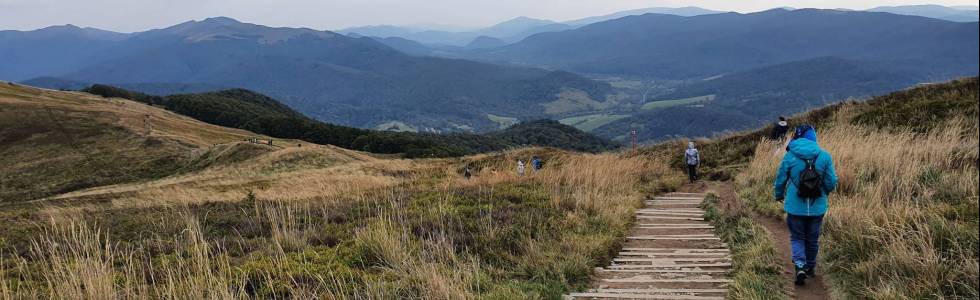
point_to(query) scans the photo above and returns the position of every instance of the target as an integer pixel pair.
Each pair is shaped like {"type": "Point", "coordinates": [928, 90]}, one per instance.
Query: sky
{"type": "Point", "coordinates": [139, 15]}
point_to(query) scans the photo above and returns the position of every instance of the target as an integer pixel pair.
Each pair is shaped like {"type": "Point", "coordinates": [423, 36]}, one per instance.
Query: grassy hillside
{"type": "Point", "coordinates": [902, 224]}
{"type": "Point", "coordinates": [55, 142]}
{"type": "Point", "coordinates": [258, 113]}
{"type": "Point", "coordinates": [277, 226]}
{"type": "Point", "coordinates": [242, 220]}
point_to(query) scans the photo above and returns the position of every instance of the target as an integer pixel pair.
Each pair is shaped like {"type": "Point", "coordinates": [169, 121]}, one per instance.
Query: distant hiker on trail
{"type": "Point", "coordinates": [779, 130]}
{"type": "Point", "coordinates": [804, 179]}
{"type": "Point", "coordinates": [520, 167]}
{"type": "Point", "coordinates": [536, 163]}
{"type": "Point", "coordinates": [467, 172]}
{"type": "Point", "coordinates": [693, 158]}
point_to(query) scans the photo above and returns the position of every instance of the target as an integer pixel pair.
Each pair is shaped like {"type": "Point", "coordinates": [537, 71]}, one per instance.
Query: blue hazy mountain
{"type": "Point", "coordinates": [483, 42]}
{"type": "Point", "coordinates": [955, 14]}
{"type": "Point", "coordinates": [329, 76]}
{"type": "Point", "coordinates": [688, 11]}
{"type": "Point", "coordinates": [675, 47]}
{"type": "Point", "coordinates": [50, 50]}
{"type": "Point", "coordinates": [510, 31]}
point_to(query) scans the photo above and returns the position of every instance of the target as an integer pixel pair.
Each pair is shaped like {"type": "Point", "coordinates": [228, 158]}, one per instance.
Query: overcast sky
{"type": "Point", "coordinates": [138, 15]}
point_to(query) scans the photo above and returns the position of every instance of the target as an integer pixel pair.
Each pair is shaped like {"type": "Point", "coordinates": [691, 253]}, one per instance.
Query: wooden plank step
{"type": "Point", "coordinates": [694, 213]}
{"type": "Point", "coordinates": [700, 250]}
{"type": "Point", "coordinates": [624, 253]}
{"type": "Point", "coordinates": [673, 209]}
{"type": "Point", "coordinates": [642, 296]}
{"type": "Point", "coordinates": [675, 224]}
{"type": "Point", "coordinates": [682, 235]}
{"type": "Point", "coordinates": [678, 266]}
{"type": "Point", "coordinates": [670, 214]}
{"type": "Point", "coordinates": [675, 227]}
{"type": "Point", "coordinates": [683, 193]}
{"type": "Point", "coordinates": [680, 238]}
{"type": "Point", "coordinates": [661, 291]}
{"type": "Point", "coordinates": [678, 198]}
{"type": "Point", "coordinates": [650, 280]}
{"type": "Point", "coordinates": [662, 271]}
{"type": "Point", "coordinates": [678, 213]}
{"type": "Point", "coordinates": [685, 259]}
{"type": "Point", "coordinates": [670, 218]}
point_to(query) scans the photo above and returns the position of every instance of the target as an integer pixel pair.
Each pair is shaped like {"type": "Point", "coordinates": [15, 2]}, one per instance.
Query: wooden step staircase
{"type": "Point", "coordinates": [671, 253]}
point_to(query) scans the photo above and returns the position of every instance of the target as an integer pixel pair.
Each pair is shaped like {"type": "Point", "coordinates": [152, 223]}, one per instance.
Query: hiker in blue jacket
{"type": "Point", "coordinates": [804, 179]}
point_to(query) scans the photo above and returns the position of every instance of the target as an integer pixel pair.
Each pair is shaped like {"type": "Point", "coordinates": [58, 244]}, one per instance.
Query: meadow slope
{"type": "Point", "coordinates": [235, 219]}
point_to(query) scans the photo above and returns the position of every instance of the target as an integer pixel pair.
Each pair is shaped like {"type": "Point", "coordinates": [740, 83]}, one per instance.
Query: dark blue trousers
{"type": "Point", "coordinates": [804, 237]}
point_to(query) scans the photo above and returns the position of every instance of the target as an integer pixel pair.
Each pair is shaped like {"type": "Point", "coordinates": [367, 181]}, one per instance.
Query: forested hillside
{"type": "Point", "coordinates": [752, 98]}
{"type": "Point", "coordinates": [258, 113]}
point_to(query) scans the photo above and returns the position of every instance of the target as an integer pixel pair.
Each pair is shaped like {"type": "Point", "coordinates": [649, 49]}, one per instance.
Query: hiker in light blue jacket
{"type": "Point", "coordinates": [804, 215]}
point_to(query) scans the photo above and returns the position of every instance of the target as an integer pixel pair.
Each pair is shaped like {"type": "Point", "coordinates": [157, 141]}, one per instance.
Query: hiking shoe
{"type": "Point", "coordinates": [810, 272]}
{"type": "Point", "coordinates": [800, 277]}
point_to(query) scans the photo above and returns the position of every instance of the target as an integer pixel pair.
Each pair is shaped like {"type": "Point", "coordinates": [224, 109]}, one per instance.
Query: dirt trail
{"type": "Point", "coordinates": [814, 288]}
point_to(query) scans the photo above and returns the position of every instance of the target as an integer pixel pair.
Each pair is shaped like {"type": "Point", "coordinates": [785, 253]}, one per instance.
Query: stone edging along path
{"type": "Point", "coordinates": [671, 253]}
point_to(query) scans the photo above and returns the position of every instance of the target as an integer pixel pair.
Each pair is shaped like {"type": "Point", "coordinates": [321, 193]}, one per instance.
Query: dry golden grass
{"type": "Point", "coordinates": [77, 261]}
{"type": "Point", "coordinates": [125, 113]}
{"type": "Point", "coordinates": [902, 223]}
{"type": "Point", "coordinates": [56, 142]}
{"type": "Point", "coordinates": [283, 199]}
{"type": "Point", "coordinates": [291, 174]}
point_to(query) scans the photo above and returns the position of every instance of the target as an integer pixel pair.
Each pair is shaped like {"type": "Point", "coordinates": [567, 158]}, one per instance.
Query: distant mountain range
{"type": "Point", "coordinates": [517, 29]}
{"type": "Point", "coordinates": [675, 47]}
{"type": "Point", "coordinates": [955, 13]}
{"type": "Point", "coordinates": [668, 74]}
{"type": "Point", "coordinates": [328, 76]}
{"type": "Point", "coordinates": [509, 31]}
{"type": "Point", "coordinates": [688, 11]}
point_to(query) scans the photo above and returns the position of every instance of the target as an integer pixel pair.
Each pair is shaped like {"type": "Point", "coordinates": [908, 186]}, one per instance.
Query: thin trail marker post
{"type": "Point", "coordinates": [633, 139]}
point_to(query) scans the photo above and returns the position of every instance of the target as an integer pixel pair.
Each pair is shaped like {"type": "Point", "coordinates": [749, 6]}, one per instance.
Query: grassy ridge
{"type": "Point", "coordinates": [56, 142]}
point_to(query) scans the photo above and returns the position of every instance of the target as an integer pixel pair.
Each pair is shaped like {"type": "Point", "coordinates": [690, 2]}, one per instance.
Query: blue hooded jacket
{"type": "Point", "coordinates": [800, 150]}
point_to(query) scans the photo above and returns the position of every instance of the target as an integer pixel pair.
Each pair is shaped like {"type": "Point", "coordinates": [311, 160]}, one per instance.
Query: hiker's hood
{"type": "Point", "coordinates": [690, 145]}
{"type": "Point", "coordinates": [804, 148]}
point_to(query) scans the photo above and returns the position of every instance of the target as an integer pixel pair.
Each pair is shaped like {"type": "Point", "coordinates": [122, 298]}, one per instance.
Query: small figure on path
{"type": "Point", "coordinates": [467, 172]}
{"type": "Point", "coordinates": [693, 158]}
{"type": "Point", "coordinates": [536, 163]}
{"type": "Point", "coordinates": [779, 130]}
{"type": "Point", "coordinates": [804, 179]}
{"type": "Point", "coordinates": [520, 167]}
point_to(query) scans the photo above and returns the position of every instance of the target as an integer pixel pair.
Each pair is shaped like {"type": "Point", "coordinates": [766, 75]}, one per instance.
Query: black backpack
{"type": "Point", "coordinates": [811, 181]}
